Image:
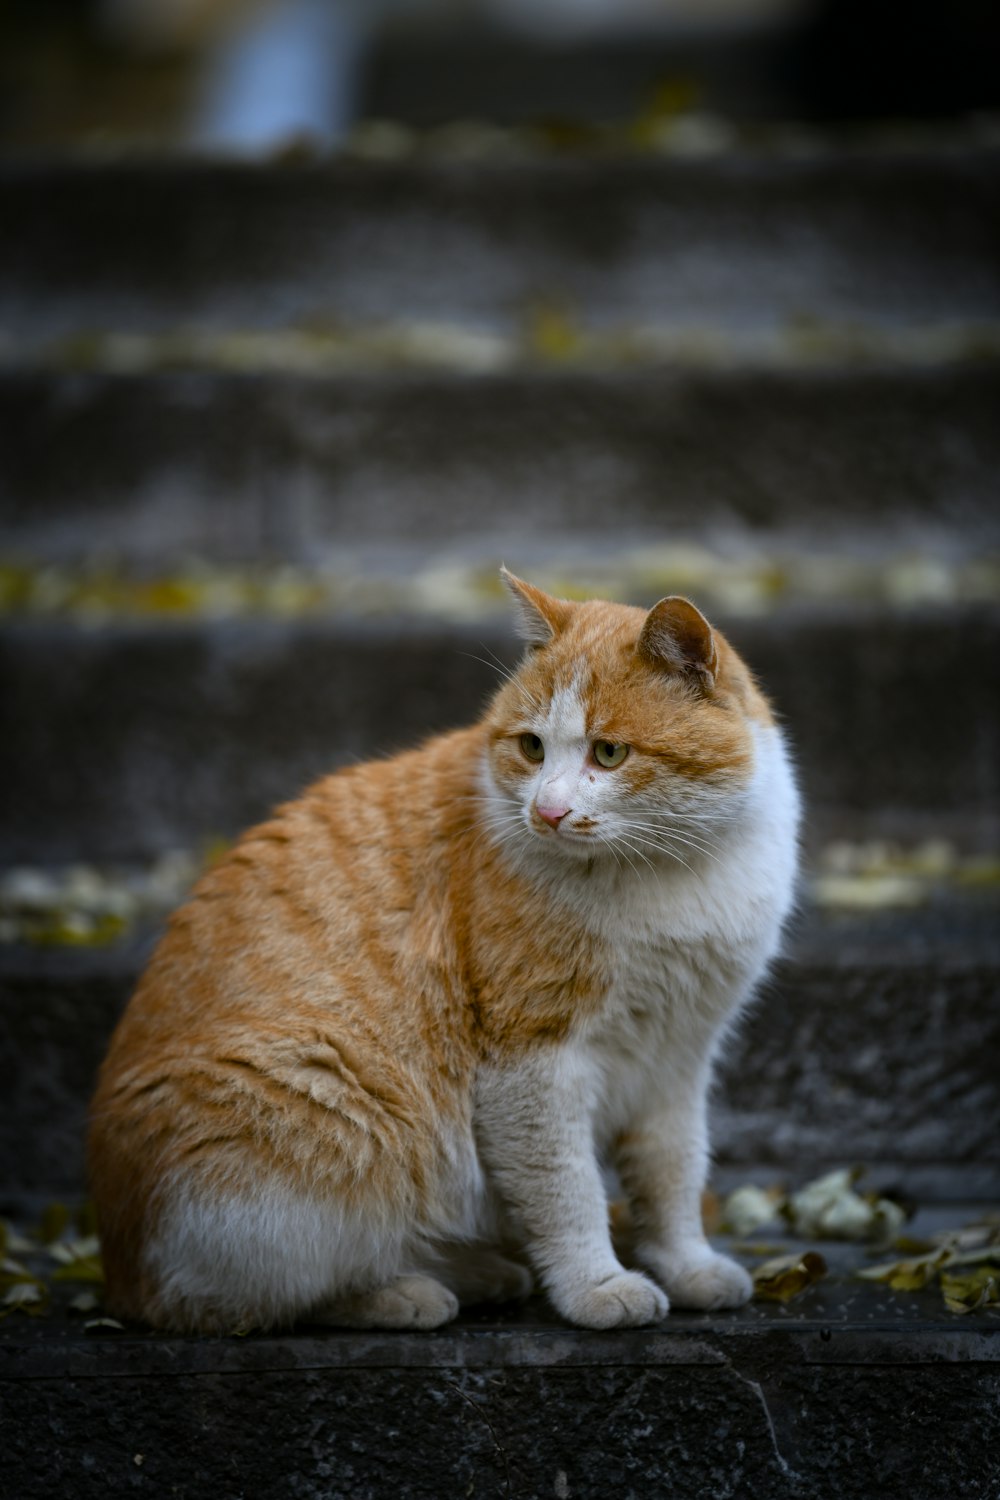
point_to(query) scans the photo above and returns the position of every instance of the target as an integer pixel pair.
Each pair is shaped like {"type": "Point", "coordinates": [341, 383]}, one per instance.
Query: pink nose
{"type": "Point", "coordinates": [551, 815]}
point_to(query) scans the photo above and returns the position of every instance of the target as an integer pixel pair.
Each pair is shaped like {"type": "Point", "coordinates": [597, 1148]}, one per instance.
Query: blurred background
{"type": "Point", "coordinates": [313, 313]}
{"type": "Point", "coordinates": [246, 74]}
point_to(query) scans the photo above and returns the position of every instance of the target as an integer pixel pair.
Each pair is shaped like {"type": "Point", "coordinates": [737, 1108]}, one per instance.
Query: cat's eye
{"type": "Point", "coordinates": [608, 754]}
{"type": "Point", "coordinates": [532, 747]}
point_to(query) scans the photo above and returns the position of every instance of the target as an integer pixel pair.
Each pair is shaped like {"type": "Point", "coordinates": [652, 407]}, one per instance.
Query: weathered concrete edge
{"type": "Point", "coordinates": [710, 1341]}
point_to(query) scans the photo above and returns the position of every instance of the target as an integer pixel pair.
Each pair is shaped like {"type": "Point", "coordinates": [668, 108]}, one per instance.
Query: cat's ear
{"type": "Point", "coordinates": [677, 637]}
{"type": "Point", "coordinates": [539, 616]}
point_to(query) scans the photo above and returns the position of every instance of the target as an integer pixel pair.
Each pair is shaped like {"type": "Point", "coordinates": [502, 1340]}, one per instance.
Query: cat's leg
{"type": "Point", "coordinates": [407, 1302]}
{"type": "Point", "coordinates": [663, 1165]}
{"type": "Point", "coordinates": [534, 1127]}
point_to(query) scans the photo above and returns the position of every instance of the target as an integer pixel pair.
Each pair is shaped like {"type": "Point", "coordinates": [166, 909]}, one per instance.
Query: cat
{"type": "Point", "coordinates": [378, 1060]}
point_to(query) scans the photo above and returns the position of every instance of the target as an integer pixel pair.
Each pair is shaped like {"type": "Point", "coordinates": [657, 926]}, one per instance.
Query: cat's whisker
{"type": "Point", "coordinates": [659, 821]}
{"type": "Point", "coordinates": [668, 847]}
{"type": "Point", "coordinates": [624, 843]}
{"type": "Point", "coordinates": [509, 676]}
{"type": "Point", "coordinates": [499, 828]}
{"type": "Point", "coordinates": [656, 836]}
{"type": "Point", "coordinates": [634, 840]}
{"type": "Point", "coordinates": [607, 843]}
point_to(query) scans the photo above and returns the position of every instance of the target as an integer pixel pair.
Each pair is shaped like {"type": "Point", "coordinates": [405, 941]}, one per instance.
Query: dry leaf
{"type": "Point", "coordinates": [972, 1290]}
{"type": "Point", "coordinates": [906, 1275]}
{"type": "Point", "coordinates": [830, 1208]}
{"type": "Point", "coordinates": [30, 1297]}
{"type": "Point", "coordinates": [787, 1276]}
{"type": "Point", "coordinates": [68, 1251]}
{"type": "Point", "coordinates": [749, 1208]}
{"type": "Point", "coordinates": [86, 1268]}
{"type": "Point", "coordinates": [84, 1302]}
{"type": "Point", "coordinates": [23, 1292]}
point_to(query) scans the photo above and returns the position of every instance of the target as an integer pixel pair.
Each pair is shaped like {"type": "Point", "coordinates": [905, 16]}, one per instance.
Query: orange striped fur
{"type": "Point", "coordinates": [377, 1058]}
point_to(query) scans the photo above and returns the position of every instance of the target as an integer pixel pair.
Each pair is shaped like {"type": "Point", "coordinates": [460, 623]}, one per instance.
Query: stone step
{"type": "Point", "coordinates": [151, 467]}
{"type": "Point", "coordinates": [129, 739]}
{"type": "Point", "coordinates": [876, 1039]}
{"type": "Point", "coordinates": [757, 240]}
{"type": "Point", "coordinates": [848, 1392]}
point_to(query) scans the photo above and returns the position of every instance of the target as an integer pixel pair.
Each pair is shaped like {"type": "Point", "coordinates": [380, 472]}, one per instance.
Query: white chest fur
{"type": "Point", "coordinates": [688, 943]}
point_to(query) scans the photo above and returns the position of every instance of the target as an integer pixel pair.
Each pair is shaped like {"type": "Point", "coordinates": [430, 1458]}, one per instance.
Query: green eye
{"type": "Point", "coordinates": [607, 755]}
{"type": "Point", "coordinates": [532, 747]}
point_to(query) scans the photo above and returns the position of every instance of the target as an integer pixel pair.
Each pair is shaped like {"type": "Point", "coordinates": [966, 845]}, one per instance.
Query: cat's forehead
{"type": "Point", "coordinates": [595, 653]}
{"type": "Point", "coordinates": [567, 713]}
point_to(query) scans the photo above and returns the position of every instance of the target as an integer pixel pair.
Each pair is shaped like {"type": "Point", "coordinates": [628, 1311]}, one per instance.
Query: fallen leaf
{"type": "Point", "coordinates": [749, 1207]}
{"type": "Point", "coordinates": [93, 1323]}
{"type": "Point", "coordinates": [69, 1251]}
{"type": "Point", "coordinates": [973, 1290]}
{"type": "Point", "coordinates": [787, 1276]}
{"type": "Point", "coordinates": [86, 1268]}
{"type": "Point", "coordinates": [831, 1208]}
{"type": "Point", "coordinates": [906, 1275]}
{"type": "Point", "coordinates": [29, 1297]}
{"type": "Point", "coordinates": [907, 1244]}
{"type": "Point", "coordinates": [84, 1302]}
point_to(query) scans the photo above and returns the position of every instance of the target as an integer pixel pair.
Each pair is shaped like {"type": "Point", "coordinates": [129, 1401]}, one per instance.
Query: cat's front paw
{"type": "Point", "coordinates": [701, 1280]}
{"type": "Point", "coordinates": [625, 1300]}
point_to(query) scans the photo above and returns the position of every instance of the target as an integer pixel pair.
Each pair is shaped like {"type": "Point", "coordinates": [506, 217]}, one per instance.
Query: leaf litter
{"type": "Point", "coordinates": [62, 1247]}
{"type": "Point", "coordinates": [964, 1262]}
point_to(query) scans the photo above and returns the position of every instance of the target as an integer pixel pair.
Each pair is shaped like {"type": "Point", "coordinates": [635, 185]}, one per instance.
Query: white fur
{"type": "Point", "coordinates": [265, 1255]}
{"type": "Point", "coordinates": [270, 1255]}
{"type": "Point", "coordinates": [692, 932]}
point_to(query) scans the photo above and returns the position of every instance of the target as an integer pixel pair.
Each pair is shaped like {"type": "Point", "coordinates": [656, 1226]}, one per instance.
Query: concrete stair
{"type": "Point", "coordinates": [267, 433]}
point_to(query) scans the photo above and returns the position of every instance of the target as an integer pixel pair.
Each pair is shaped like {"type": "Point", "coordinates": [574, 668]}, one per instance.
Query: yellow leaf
{"type": "Point", "coordinates": [972, 1290]}
{"type": "Point", "coordinates": [906, 1275]}
{"type": "Point", "coordinates": [552, 334]}
{"type": "Point", "coordinates": [87, 1268]}
{"type": "Point", "coordinates": [786, 1277]}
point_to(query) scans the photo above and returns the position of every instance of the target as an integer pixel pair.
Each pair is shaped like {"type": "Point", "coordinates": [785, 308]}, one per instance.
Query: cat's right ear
{"type": "Point", "coordinates": [677, 638]}
{"type": "Point", "coordinates": [539, 617]}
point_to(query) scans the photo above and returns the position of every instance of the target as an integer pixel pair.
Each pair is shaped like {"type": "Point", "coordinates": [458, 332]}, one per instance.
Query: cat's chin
{"type": "Point", "coordinates": [573, 846]}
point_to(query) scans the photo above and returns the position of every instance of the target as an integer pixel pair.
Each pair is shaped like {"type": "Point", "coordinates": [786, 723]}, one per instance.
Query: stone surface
{"type": "Point", "coordinates": [744, 238]}
{"type": "Point", "coordinates": [848, 1392]}
{"type": "Point", "coordinates": [153, 467]}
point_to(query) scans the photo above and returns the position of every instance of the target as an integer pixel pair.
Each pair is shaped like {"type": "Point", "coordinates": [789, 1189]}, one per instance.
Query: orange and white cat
{"type": "Point", "coordinates": [379, 1059]}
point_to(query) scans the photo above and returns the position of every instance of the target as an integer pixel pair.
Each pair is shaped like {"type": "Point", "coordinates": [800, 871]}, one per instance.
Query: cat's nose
{"type": "Point", "coordinates": [551, 815]}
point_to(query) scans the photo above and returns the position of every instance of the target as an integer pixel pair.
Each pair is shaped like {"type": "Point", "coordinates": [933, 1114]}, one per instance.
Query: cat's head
{"type": "Point", "coordinates": [622, 731]}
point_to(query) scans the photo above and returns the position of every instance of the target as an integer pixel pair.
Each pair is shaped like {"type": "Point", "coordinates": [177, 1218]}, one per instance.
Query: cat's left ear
{"type": "Point", "coordinates": [539, 616]}
{"type": "Point", "coordinates": [677, 637]}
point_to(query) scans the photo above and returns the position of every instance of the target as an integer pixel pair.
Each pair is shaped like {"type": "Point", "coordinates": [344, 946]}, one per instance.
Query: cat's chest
{"type": "Point", "coordinates": [678, 973]}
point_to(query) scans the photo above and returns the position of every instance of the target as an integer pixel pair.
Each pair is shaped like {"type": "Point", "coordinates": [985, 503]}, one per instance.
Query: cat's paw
{"type": "Point", "coordinates": [408, 1302]}
{"type": "Point", "coordinates": [624, 1300]}
{"type": "Point", "coordinates": [488, 1276]}
{"type": "Point", "coordinates": [702, 1280]}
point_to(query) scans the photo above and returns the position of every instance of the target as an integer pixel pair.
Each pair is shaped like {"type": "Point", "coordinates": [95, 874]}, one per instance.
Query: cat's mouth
{"type": "Point", "coordinates": [569, 827]}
